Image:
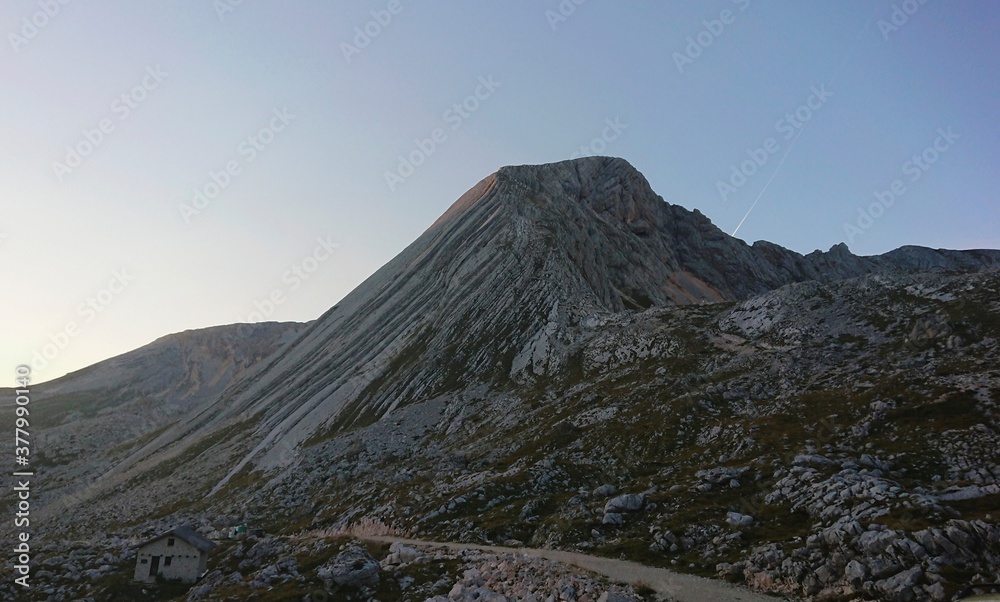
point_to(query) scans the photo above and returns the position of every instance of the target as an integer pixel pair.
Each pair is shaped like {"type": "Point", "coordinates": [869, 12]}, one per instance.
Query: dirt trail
{"type": "Point", "coordinates": [678, 586]}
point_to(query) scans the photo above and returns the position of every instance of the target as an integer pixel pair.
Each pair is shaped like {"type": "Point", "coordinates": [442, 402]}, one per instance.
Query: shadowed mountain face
{"type": "Point", "coordinates": [178, 369]}
{"type": "Point", "coordinates": [558, 328]}
{"type": "Point", "coordinates": [88, 420]}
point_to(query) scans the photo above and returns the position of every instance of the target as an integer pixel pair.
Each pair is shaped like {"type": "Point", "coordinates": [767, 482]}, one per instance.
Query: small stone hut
{"type": "Point", "coordinates": [180, 554]}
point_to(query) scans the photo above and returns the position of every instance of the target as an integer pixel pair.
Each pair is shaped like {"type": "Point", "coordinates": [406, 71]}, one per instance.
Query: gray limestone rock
{"type": "Point", "coordinates": [629, 502]}
{"type": "Point", "coordinates": [354, 567]}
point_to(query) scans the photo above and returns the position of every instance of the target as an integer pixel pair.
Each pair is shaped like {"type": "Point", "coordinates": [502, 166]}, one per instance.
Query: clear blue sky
{"type": "Point", "coordinates": [99, 247]}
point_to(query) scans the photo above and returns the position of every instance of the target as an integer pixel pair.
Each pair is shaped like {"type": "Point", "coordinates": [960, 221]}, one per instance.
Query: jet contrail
{"type": "Point", "coordinates": [776, 170]}
{"type": "Point", "coordinates": [854, 47]}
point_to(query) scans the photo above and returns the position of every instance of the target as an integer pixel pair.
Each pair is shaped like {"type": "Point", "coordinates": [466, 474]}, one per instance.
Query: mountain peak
{"type": "Point", "coordinates": [497, 286]}
{"type": "Point", "coordinates": [609, 186]}
{"type": "Point", "coordinates": [580, 169]}
{"type": "Point", "coordinates": [574, 180]}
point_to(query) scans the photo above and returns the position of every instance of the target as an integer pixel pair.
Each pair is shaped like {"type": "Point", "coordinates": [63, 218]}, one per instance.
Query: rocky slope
{"type": "Point", "coordinates": [565, 360]}
{"type": "Point", "coordinates": [832, 440]}
{"type": "Point", "coordinates": [488, 291]}
{"type": "Point", "coordinates": [89, 421]}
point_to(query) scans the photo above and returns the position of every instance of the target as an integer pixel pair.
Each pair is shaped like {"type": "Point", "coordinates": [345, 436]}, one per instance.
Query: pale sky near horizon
{"type": "Point", "coordinates": [288, 117]}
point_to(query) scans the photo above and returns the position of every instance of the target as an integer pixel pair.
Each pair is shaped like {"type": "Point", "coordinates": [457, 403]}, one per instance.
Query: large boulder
{"type": "Point", "coordinates": [605, 491]}
{"type": "Point", "coordinates": [401, 554]}
{"type": "Point", "coordinates": [900, 586]}
{"type": "Point", "coordinates": [735, 519]}
{"type": "Point", "coordinates": [630, 502]}
{"type": "Point", "coordinates": [354, 567]}
{"type": "Point", "coordinates": [856, 573]}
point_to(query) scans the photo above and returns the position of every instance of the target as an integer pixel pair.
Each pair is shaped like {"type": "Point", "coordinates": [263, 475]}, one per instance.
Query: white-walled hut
{"type": "Point", "coordinates": [180, 554]}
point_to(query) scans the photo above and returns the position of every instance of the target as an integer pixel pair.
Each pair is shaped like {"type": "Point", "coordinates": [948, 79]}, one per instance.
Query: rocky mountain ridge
{"type": "Point", "coordinates": [565, 360]}
{"type": "Point", "coordinates": [525, 251]}
{"type": "Point", "coordinates": [94, 419]}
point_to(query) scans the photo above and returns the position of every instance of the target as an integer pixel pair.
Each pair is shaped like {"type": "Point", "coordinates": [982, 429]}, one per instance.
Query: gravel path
{"type": "Point", "coordinates": [678, 586]}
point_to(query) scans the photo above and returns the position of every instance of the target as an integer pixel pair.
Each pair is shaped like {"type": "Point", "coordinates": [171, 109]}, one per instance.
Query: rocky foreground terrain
{"type": "Point", "coordinates": [565, 361]}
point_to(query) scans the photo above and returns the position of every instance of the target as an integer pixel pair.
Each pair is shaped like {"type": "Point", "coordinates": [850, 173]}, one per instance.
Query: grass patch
{"type": "Point", "coordinates": [958, 411]}
{"type": "Point", "coordinates": [978, 508]}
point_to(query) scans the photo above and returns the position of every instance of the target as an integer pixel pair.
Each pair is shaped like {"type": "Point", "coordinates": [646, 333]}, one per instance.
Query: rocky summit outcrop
{"type": "Point", "coordinates": [565, 360]}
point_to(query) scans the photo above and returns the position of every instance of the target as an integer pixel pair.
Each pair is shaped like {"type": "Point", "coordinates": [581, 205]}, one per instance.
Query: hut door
{"type": "Point", "coordinates": [154, 566]}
